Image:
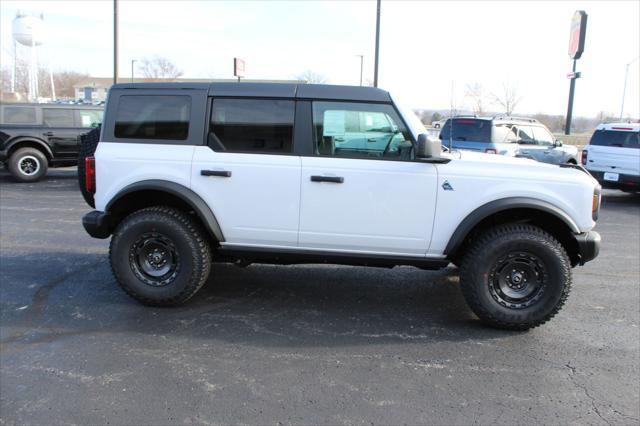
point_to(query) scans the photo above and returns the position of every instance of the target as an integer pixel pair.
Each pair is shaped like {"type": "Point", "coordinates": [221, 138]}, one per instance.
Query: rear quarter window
{"type": "Point", "coordinates": [467, 130]}
{"type": "Point", "coordinates": [616, 138]}
{"type": "Point", "coordinates": [19, 115]}
{"type": "Point", "coordinates": [153, 117]}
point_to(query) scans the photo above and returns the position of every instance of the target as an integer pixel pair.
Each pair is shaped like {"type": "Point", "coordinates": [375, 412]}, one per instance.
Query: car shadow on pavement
{"type": "Point", "coordinates": [310, 305]}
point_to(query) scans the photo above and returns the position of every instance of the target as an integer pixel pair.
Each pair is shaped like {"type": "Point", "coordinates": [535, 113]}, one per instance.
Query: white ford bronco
{"type": "Point", "coordinates": [185, 175]}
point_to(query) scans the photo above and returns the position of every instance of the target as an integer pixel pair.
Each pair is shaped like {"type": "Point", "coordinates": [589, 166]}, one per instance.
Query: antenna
{"type": "Point", "coordinates": [451, 121]}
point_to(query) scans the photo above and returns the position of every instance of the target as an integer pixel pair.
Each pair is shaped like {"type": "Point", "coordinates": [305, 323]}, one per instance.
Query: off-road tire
{"type": "Point", "coordinates": [88, 145]}
{"type": "Point", "coordinates": [478, 276]}
{"type": "Point", "coordinates": [21, 162]}
{"type": "Point", "coordinates": [189, 240]}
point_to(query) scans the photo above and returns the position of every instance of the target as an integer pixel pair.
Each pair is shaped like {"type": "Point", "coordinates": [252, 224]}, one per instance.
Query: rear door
{"type": "Point", "coordinates": [616, 151]}
{"type": "Point", "coordinates": [248, 173]}
{"type": "Point", "coordinates": [59, 128]}
{"type": "Point", "coordinates": [372, 201]}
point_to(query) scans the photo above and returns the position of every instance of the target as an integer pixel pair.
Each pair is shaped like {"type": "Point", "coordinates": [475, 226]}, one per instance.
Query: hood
{"type": "Point", "coordinates": [514, 168]}
{"type": "Point", "coordinates": [499, 159]}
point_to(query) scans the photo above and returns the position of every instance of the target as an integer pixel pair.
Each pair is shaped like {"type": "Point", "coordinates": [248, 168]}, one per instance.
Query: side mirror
{"type": "Point", "coordinates": [428, 148]}
{"type": "Point", "coordinates": [557, 143]}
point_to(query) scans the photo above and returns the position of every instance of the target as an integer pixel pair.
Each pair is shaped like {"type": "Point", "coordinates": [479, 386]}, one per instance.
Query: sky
{"type": "Point", "coordinates": [429, 50]}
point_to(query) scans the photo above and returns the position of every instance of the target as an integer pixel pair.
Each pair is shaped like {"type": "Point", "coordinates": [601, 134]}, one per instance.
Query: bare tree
{"type": "Point", "coordinates": [159, 68]}
{"type": "Point", "coordinates": [312, 77]}
{"type": "Point", "coordinates": [5, 79]}
{"type": "Point", "coordinates": [477, 97]}
{"type": "Point", "coordinates": [508, 99]}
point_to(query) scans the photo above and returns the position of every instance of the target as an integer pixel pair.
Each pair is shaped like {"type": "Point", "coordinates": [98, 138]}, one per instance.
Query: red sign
{"type": "Point", "coordinates": [238, 67]}
{"type": "Point", "coordinates": [577, 34]}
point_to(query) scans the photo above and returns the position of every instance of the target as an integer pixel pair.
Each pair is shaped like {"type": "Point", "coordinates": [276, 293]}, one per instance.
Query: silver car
{"type": "Point", "coordinates": [504, 135]}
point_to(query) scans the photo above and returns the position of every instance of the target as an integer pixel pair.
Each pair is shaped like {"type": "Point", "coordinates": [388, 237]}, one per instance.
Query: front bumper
{"type": "Point", "coordinates": [588, 246]}
{"type": "Point", "coordinates": [97, 224]}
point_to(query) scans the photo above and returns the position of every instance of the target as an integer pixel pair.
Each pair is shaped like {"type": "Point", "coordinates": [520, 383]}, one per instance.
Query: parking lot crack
{"type": "Point", "coordinates": [584, 389]}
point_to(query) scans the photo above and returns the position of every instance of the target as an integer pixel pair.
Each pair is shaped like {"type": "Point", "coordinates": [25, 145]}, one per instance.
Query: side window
{"type": "Point", "coordinates": [505, 133]}
{"type": "Point", "coordinates": [90, 117]}
{"type": "Point", "coordinates": [153, 117]}
{"type": "Point", "coordinates": [525, 134]}
{"type": "Point", "coordinates": [57, 117]}
{"type": "Point", "coordinates": [19, 115]}
{"type": "Point", "coordinates": [542, 136]}
{"type": "Point", "coordinates": [252, 126]}
{"type": "Point", "coordinates": [381, 133]}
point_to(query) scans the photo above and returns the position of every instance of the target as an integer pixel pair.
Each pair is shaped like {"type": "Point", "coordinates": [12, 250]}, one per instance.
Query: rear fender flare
{"type": "Point", "coordinates": [185, 194]}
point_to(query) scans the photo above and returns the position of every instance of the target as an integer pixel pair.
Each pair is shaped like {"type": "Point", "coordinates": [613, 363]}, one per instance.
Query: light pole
{"type": "Point", "coordinates": [115, 41]}
{"type": "Point", "coordinates": [624, 90]}
{"type": "Point", "coordinates": [375, 69]}
{"type": "Point", "coordinates": [133, 61]}
{"type": "Point", "coordinates": [361, 62]}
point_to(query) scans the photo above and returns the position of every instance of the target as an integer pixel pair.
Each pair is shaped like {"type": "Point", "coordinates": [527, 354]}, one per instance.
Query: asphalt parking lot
{"type": "Point", "coordinates": [299, 344]}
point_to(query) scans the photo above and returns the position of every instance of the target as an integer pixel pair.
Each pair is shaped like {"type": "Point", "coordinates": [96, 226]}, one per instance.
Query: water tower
{"type": "Point", "coordinates": [29, 31]}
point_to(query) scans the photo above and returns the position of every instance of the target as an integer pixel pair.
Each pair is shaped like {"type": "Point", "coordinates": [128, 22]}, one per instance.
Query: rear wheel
{"type": "Point", "coordinates": [516, 276]}
{"type": "Point", "coordinates": [27, 164]}
{"type": "Point", "coordinates": [160, 256]}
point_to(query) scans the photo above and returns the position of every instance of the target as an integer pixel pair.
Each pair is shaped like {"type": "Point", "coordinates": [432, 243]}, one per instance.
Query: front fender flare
{"type": "Point", "coordinates": [185, 194]}
{"type": "Point", "coordinates": [486, 210]}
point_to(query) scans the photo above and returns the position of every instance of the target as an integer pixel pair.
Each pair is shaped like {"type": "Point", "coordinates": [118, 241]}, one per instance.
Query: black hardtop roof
{"type": "Point", "coordinates": [272, 90]}
{"type": "Point", "coordinates": [44, 105]}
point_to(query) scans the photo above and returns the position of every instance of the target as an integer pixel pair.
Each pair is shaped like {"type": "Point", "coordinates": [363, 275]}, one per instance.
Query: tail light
{"type": "Point", "coordinates": [90, 174]}
{"type": "Point", "coordinates": [584, 156]}
{"type": "Point", "coordinates": [491, 151]}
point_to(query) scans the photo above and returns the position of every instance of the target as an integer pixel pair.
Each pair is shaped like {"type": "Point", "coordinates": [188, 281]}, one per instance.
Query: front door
{"type": "Point", "coordinates": [357, 197]}
{"type": "Point", "coordinates": [247, 173]}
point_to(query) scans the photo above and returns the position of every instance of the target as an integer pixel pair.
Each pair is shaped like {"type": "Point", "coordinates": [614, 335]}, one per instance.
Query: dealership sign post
{"type": "Point", "coordinates": [576, 47]}
{"type": "Point", "coordinates": [238, 68]}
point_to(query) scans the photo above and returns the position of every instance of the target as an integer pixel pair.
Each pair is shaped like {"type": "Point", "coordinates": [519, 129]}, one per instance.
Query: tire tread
{"type": "Point", "coordinates": [202, 260]}
{"type": "Point", "coordinates": [470, 288]}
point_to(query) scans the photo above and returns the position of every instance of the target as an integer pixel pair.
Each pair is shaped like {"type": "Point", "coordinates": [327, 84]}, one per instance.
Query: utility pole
{"type": "Point", "coordinates": [375, 69]}
{"type": "Point", "coordinates": [624, 90]}
{"type": "Point", "coordinates": [361, 62]}
{"type": "Point", "coordinates": [133, 61]}
{"type": "Point", "coordinates": [115, 41]}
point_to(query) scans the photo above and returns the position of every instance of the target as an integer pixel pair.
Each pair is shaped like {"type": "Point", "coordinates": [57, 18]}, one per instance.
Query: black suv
{"type": "Point", "coordinates": [34, 137]}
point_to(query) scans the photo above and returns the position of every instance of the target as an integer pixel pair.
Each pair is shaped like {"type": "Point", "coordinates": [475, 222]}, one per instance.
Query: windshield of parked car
{"type": "Point", "coordinates": [616, 138]}
{"type": "Point", "coordinates": [467, 130]}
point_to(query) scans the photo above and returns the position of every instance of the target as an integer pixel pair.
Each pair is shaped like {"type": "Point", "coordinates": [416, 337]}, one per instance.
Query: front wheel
{"type": "Point", "coordinates": [160, 256]}
{"type": "Point", "coordinates": [515, 276]}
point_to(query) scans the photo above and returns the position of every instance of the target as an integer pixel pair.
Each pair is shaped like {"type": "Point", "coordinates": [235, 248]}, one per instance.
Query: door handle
{"type": "Point", "coordinates": [332, 179]}
{"type": "Point", "coordinates": [220, 173]}
{"type": "Point", "coordinates": [48, 133]}
{"type": "Point", "coordinates": [372, 140]}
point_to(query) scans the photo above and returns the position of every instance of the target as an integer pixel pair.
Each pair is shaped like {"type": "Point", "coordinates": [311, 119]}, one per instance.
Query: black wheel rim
{"type": "Point", "coordinates": [29, 165]}
{"type": "Point", "coordinates": [518, 280]}
{"type": "Point", "coordinates": [154, 259]}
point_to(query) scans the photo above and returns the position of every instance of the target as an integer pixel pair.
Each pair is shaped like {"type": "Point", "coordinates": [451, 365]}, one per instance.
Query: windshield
{"type": "Point", "coordinates": [616, 138]}
{"type": "Point", "coordinates": [413, 122]}
{"type": "Point", "coordinates": [467, 129]}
